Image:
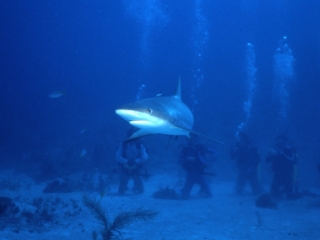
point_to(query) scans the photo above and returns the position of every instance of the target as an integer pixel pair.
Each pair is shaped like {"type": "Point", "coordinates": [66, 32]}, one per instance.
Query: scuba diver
{"type": "Point", "coordinates": [284, 165]}
{"type": "Point", "coordinates": [247, 161]}
{"type": "Point", "coordinates": [193, 161]}
{"type": "Point", "coordinates": [131, 156]}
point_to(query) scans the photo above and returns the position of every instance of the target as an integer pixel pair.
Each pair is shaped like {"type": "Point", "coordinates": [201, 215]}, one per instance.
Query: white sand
{"type": "Point", "coordinates": [224, 216]}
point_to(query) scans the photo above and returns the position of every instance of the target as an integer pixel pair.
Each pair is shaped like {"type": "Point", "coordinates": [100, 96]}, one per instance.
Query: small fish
{"type": "Point", "coordinates": [83, 152]}
{"type": "Point", "coordinates": [83, 131]}
{"type": "Point", "coordinates": [56, 94]}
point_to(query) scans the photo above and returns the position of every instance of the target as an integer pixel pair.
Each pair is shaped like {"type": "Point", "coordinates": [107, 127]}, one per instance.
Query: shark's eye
{"type": "Point", "coordinates": [149, 111]}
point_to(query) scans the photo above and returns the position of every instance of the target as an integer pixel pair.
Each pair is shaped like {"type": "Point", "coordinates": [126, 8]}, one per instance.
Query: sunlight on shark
{"type": "Point", "coordinates": [159, 115]}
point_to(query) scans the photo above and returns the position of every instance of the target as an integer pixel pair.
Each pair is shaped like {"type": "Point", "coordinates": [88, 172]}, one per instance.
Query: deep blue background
{"type": "Point", "coordinates": [100, 52]}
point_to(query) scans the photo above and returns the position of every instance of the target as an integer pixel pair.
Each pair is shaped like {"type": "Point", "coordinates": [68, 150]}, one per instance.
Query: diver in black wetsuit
{"type": "Point", "coordinates": [284, 165]}
{"type": "Point", "coordinates": [131, 156]}
{"type": "Point", "coordinates": [193, 160]}
{"type": "Point", "coordinates": [247, 160]}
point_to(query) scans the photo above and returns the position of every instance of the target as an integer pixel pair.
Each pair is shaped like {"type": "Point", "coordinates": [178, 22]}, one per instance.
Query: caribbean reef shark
{"type": "Point", "coordinates": [159, 115]}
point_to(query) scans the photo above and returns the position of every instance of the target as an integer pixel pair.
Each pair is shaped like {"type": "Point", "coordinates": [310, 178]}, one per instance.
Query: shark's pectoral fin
{"type": "Point", "coordinates": [138, 134]}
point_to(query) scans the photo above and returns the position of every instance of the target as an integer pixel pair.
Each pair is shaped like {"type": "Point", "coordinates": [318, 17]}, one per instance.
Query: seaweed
{"type": "Point", "coordinates": [113, 229]}
{"type": "Point", "coordinates": [166, 193]}
{"type": "Point", "coordinates": [265, 201]}
{"type": "Point", "coordinates": [7, 207]}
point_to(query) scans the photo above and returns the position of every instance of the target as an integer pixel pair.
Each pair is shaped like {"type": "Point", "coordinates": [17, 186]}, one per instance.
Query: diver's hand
{"type": "Point", "coordinates": [131, 166]}
{"type": "Point", "coordinates": [272, 152]}
{"type": "Point", "coordinates": [191, 159]}
{"type": "Point", "coordinates": [139, 160]}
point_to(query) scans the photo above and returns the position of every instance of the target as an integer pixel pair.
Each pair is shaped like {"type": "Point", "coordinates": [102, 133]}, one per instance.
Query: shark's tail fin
{"type": "Point", "coordinates": [202, 135]}
{"type": "Point", "coordinates": [207, 137]}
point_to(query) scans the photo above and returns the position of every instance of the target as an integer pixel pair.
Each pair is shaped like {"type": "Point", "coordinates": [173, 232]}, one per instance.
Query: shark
{"type": "Point", "coordinates": [160, 115]}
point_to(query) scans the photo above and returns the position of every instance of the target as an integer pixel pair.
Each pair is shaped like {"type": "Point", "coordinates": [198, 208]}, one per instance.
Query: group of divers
{"type": "Point", "coordinates": [131, 157]}
{"type": "Point", "coordinates": [170, 116]}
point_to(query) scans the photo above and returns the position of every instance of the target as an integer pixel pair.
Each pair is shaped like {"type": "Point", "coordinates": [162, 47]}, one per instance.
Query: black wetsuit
{"type": "Point", "coordinates": [283, 166]}
{"type": "Point", "coordinates": [247, 161]}
{"type": "Point", "coordinates": [192, 159]}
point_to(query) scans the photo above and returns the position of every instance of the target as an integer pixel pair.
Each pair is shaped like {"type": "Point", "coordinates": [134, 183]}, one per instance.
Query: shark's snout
{"type": "Point", "coordinates": [140, 119]}
{"type": "Point", "coordinates": [127, 114]}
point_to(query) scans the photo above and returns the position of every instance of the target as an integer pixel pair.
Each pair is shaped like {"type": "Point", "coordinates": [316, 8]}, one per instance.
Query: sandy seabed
{"type": "Point", "coordinates": [224, 216]}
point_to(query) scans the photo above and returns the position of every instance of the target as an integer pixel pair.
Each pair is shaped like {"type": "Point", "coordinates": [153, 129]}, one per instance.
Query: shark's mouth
{"type": "Point", "coordinates": [141, 123]}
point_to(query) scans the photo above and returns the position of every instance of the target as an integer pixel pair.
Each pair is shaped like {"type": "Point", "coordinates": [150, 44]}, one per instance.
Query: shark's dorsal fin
{"type": "Point", "coordinates": [177, 93]}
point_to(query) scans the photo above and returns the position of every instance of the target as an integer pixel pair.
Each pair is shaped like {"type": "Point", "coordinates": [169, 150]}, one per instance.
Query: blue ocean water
{"type": "Point", "coordinates": [251, 65]}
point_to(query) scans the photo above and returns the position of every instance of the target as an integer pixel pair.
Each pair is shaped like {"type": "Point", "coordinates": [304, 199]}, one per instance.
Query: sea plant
{"type": "Point", "coordinates": [112, 230]}
{"type": "Point", "coordinates": [166, 193]}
